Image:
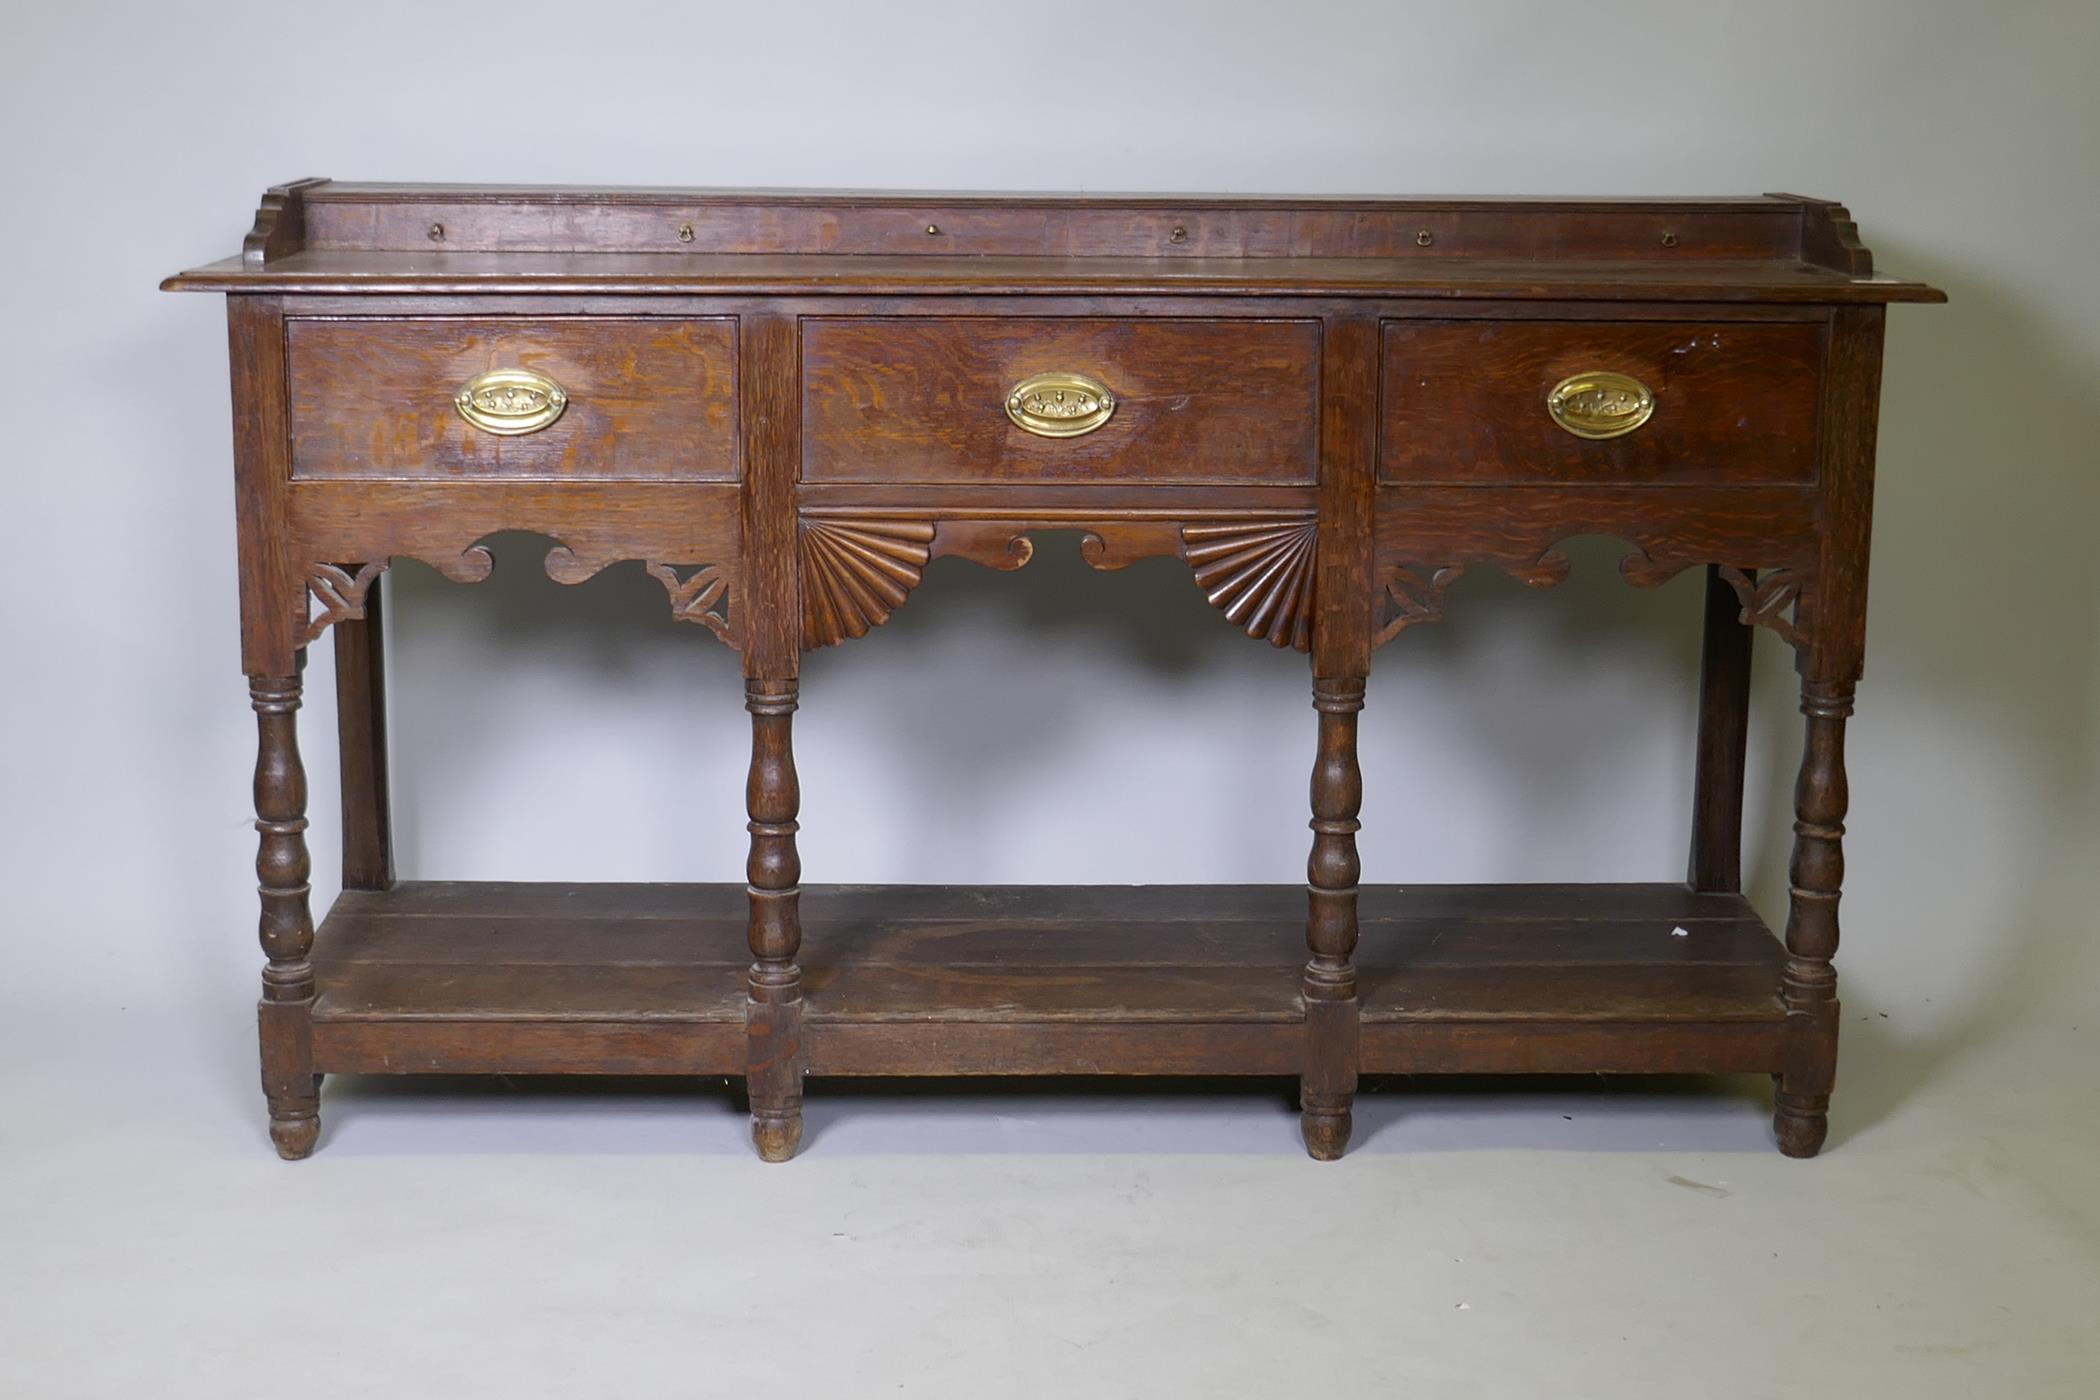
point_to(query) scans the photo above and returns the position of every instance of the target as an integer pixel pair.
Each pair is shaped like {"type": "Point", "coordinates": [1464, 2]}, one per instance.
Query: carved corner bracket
{"type": "Point", "coordinates": [1412, 592]}
{"type": "Point", "coordinates": [701, 596]}
{"type": "Point", "coordinates": [1770, 599]}
{"type": "Point", "coordinates": [339, 593]}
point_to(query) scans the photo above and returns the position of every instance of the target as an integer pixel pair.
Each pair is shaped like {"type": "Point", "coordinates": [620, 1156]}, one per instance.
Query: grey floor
{"type": "Point", "coordinates": [1531, 1239]}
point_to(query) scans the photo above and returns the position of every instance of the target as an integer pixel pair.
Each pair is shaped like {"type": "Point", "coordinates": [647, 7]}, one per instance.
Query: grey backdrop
{"type": "Point", "coordinates": [1639, 1242]}
{"type": "Point", "coordinates": [1055, 724]}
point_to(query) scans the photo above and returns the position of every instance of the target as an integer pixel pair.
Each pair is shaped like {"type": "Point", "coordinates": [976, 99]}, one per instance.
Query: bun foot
{"type": "Point", "coordinates": [1326, 1131]}
{"type": "Point", "coordinates": [295, 1131]}
{"type": "Point", "coordinates": [1801, 1122]}
{"type": "Point", "coordinates": [776, 1138]}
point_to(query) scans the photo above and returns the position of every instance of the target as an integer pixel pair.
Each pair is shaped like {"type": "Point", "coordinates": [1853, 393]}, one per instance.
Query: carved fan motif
{"type": "Point", "coordinates": [855, 573]}
{"type": "Point", "coordinates": [1259, 574]}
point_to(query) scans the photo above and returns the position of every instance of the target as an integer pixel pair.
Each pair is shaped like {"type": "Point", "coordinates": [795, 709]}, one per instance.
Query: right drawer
{"type": "Point", "coordinates": [1599, 402]}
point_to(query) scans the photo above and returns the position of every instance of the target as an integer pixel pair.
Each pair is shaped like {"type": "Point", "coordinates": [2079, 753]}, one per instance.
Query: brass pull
{"type": "Point", "coordinates": [1600, 404]}
{"type": "Point", "coordinates": [1060, 405]}
{"type": "Point", "coordinates": [510, 401]}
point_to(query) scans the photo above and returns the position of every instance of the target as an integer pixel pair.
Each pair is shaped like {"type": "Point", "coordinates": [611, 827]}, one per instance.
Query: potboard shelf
{"type": "Point", "coordinates": [1158, 979]}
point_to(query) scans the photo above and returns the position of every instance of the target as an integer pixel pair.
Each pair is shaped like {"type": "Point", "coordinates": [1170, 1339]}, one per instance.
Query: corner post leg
{"type": "Point", "coordinates": [1328, 1087]}
{"type": "Point", "coordinates": [1716, 863]}
{"type": "Point", "coordinates": [1830, 623]}
{"type": "Point", "coordinates": [360, 707]}
{"type": "Point", "coordinates": [1341, 658]}
{"type": "Point", "coordinates": [282, 869]}
{"type": "Point", "coordinates": [1816, 873]}
{"type": "Point", "coordinates": [773, 1022]}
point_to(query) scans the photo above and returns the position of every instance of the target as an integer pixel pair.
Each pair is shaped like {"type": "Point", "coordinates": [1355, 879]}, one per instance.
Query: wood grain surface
{"type": "Point", "coordinates": [1465, 402]}
{"type": "Point", "coordinates": [786, 406]}
{"type": "Point", "coordinates": [649, 398]}
{"type": "Point", "coordinates": [923, 399]}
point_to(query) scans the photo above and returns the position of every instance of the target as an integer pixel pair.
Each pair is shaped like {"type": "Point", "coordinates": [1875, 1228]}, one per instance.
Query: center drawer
{"type": "Point", "coordinates": [975, 399]}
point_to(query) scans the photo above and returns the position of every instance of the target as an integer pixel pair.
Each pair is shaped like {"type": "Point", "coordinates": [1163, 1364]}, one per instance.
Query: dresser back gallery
{"type": "Point", "coordinates": [785, 405]}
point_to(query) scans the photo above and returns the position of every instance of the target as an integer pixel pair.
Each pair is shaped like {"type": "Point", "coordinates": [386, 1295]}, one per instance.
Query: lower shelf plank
{"type": "Point", "coordinates": [1095, 979]}
{"type": "Point", "coordinates": [947, 1048]}
{"type": "Point", "coordinates": [515, 1046]}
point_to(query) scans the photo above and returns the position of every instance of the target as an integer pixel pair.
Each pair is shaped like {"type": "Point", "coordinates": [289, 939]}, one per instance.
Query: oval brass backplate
{"type": "Point", "coordinates": [1060, 405]}
{"type": "Point", "coordinates": [1600, 404]}
{"type": "Point", "coordinates": [510, 401]}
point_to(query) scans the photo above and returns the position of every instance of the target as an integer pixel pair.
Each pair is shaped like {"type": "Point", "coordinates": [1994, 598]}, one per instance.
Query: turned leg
{"type": "Point", "coordinates": [1328, 1086]}
{"type": "Point", "coordinates": [773, 1021]}
{"type": "Point", "coordinates": [1802, 1118]}
{"type": "Point", "coordinates": [360, 707]}
{"type": "Point", "coordinates": [287, 930]}
{"type": "Point", "coordinates": [1724, 728]}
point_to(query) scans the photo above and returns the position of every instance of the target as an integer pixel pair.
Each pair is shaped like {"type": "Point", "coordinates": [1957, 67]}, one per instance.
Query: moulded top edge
{"type": "Point", "coordinates": [341, 191]}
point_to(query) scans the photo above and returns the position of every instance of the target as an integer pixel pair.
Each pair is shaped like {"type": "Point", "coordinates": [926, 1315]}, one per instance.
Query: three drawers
{"type": "Point", "coordinates": [1034, 400]}
{"type": "Point", "coordinates": [1653, 402]}
{"type": "Point", "coordinates": [592, 398]}
{"type": "Point", "coordinates": [932, 400]}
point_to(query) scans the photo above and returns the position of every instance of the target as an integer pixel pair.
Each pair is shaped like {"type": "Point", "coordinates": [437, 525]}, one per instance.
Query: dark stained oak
{"type": "Point", "coordinates": [767, 275]}
{"type": "Point", "coordinates": [1031, 979]}
{"type": "Point", "coordinates": [360, 706]}
{"type": "Point", "coordinates": [648, 398]}
{"type": "Point", "coordinates": [788, 406]}
{"type": "Point", "coordinates": [282, 871]}
{"type": "Point", "coordinates": [918, 400]}
{"type": "Point", "coordinates": [1724, 734]}
{"type": "Point", "coordinates": [1465, 402]}
{"type": "Point", "coordinates": [349, 216]}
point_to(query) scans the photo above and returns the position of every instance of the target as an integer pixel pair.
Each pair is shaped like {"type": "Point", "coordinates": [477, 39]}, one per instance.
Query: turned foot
{"type": "Point", "coordinates": [295, 1127]}
{"type": "Point", "coordinates": [776, 1137]}
{"type": "Point", "coordinates": [1326, 1128]}
{"type": "Point", "coordinates": [1801, 1122]}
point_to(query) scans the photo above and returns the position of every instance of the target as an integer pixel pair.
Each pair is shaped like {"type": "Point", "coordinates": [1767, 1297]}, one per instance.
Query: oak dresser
{"type": "Point", "coordinates": [786, 405]}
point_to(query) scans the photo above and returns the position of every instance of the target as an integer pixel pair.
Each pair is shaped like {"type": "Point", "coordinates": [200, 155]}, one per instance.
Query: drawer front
{"type": "Point", "coordinates": [941, 399]}
{"type": "Point", "coordinates": [639, 399]}
{"type": "Point", "coordinates": [1466, 402]}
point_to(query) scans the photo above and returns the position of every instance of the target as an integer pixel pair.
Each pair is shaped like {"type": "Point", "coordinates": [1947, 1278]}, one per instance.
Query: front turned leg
{"type": "Point", "coordinates": [773, 1019]}
{"type": "Point", "coordinates": [1802, 1117]}
{"type": "Point", "coordinates": [1327, 1088]}
{"type": "Point", "coordinates": [283, 868]}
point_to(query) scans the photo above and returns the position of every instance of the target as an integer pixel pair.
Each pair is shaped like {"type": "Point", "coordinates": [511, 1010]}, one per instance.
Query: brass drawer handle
{"type": "Point", "coordinates": [510, 401]}
{"type": "Point", "coordinates": [1060, 405]}
{"type": "Point", "coordinates": [1600, 404]}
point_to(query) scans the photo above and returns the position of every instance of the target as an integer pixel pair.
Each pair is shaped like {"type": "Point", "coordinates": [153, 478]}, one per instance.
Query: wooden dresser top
{"type": "Point", "coordinates": [328, 237]}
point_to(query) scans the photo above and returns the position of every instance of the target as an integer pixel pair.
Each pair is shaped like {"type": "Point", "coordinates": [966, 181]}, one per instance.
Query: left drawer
{"type": "Point", "coordinates": [588, 398]}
